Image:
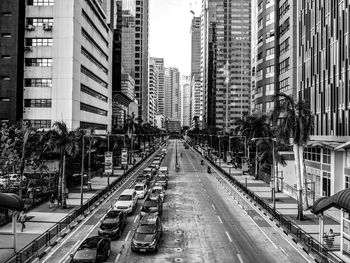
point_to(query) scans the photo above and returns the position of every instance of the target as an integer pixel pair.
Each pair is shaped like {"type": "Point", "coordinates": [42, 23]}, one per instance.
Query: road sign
{"type": "Point", "coordinates": [108, 162]}
{"type": "Point", "coordinates": [124, 156]}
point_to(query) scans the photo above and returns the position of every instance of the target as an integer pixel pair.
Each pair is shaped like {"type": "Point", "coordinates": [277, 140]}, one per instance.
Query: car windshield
{"type": "Point", "coordinates": [112, 214]}
{"type": "Point", "coordinates": [156, 191]}
{"type": "Point", "coordinates": [150, 203]}
{"type": "Point", "coordinates": [139, 188]}
{"type": "Point", "coordinates": [146, 229]}
{"type": "Point", "coordinates": [142, 177]}
{"type": "Point", "coordinates": [90, 243]}
{"type": "Point", "coordinates": [125, 198]}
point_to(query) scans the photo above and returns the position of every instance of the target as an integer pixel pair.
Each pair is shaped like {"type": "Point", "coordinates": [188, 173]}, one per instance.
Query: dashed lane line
{"type": "Point", "coordinates": [220, 219]}
{"type": "Point", "coordinates": [240, 258]}
{"type": "Point", "coordinates": [127, 236]}
{"type": "Point", "coordinates": [117, 258]}
{"type": "Point", "coordinates": [136, 219]}
{"type": "Point", "coordinates": [228, 236]}
{"type": "Point", "coordinates": [213, 206]}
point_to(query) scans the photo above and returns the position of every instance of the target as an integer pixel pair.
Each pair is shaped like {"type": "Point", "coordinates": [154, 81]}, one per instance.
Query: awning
{"type": "Point", "coordinates": [343, 146]}
{"type": "Point", "coordinates": [11, 201]}
{"type": "Point", "coordinates": [325, 144]}
{"type": "Point", "coordinates": [338, 200]}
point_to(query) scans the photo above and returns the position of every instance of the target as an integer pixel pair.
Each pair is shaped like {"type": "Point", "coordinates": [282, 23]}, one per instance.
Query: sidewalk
{"type": "Point", "coordinates": [42, 218]}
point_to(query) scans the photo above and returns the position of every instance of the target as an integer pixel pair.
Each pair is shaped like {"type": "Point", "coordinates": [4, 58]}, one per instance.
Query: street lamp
{"type": "Point", "coordinates": [273, 177]}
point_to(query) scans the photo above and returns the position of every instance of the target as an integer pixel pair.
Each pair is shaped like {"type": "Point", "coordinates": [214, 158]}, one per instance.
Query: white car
{"type": "Point", "coordinates": [16, 177]}
{"type": "Point", "coordinates": [159, 189]}
{"type": "Point", "coordinates": [141, 190]}
{"type": "Point", "coordinates": [127, 201]}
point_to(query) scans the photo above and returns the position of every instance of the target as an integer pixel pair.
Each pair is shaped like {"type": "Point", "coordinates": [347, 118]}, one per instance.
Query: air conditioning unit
{"type": "Point", "coordinates": [30, 27]}
{"type": "Point", "coordinates": [47, 27]}
{"type": "Point", "coordinates": [28, 48]}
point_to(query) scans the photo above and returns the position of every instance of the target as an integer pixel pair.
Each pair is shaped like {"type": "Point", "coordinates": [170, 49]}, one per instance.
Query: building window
{"type": "Point", "coordinates": [326, 184]}
{"type": "Point", "coordinates": [326, 156]}
{"type": "Point", "coordinates": [4, 99]}
{"type": "Point", "coordinates": [92, 76]}
{"type": "Point", "coordinates": [91, 125]}
{"type": "Point", "coordinates": [93, 43]}
{"type": "Point", "coordinates": [93, 93]}
{"type": "Point", "coordinates": [94, 27]}
{"type": "Point", "coordinates": [270, 69]}
{"type": "Point", "coordinates": [41, 2]}
{"type": "Point", "coordinates": [6, 14]}
{"type": "Point", "coordinates": [270, 87]}
{"type": "Point", "coordinates": [284, 27]}
{"type": "Point", "coordinates": [284, 85]}
{"type": "Point", "coordinates": [284, 46]}
{"type": "Point", "coordinates": [5, 78]}
{"type": "Point", "coordinates": [40, 124]}
{"type": "Point", "coordinates": [284, 66]}
{"type": "Point", "coordinates": [94, 60]}
{"type": "Point", "coordinates": [270, 51]}
{"type": "Point", "coordinates": [347, 181]}
{"type": "Point", "coordinates": [37, 103]}
{"type": "Point", "coordinates": [283, 8]}
{"type": "Point", "coordinates": [39, 42]}
{"type": "Point", "coordinates": [38, 83]}
{"type": "Point", "coordinates": [6, 56]}
{"type": "Point", "coordinates": [347, 158]}
{"type": "Point", "coordinates": [312, 154]}
{"type": "Point", "coordinates": [6, 35]}
{"type": "Point", "coordinates": [38, 62]}
{"type": "Point", "coordinates": [40, 21]}
{"type": "Point", "coordinates": [92, 109]}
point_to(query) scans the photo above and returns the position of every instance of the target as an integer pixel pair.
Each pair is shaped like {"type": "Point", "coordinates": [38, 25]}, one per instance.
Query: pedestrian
{"type": "Point", "coordinates": [22, 220]}
{"type": "Point", "coordinates": [52, 200]}
{"type": "Point", "coordinates": [329, 238]}
{"type": "Point", "coordinates": [59, 200]}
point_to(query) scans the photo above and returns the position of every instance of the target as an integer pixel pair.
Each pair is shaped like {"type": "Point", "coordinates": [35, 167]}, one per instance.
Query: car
{"type": "Point", "coordinates": [164, 170]}
{"type": "Point", "coordinates": [156, 191]}
{"type": "Point", "coordinates": [143, 178]}
{"type": "Point", "coordinates": [127, 201]}
{"type": "Point", "coordinates": [161, 179]}
{"type": "Point", "coordinates": [147, 235]}
{"type": "Point", "coordinates": [152, 207]}
{"type": "Point", "coordinates": [154, 167]}
{"type": "Point", "coordinates": [149, 170]}
{"type": "Point", "coordinates": [141, 190]}
{"type": "Point", "coordinates": [17, 177]}
{"type": "Point", "coordinates": [113, 224]}
{"type": "Point", "coordinates": [158, 158]}
{"type": "Point", "coordinates": [93, 249]}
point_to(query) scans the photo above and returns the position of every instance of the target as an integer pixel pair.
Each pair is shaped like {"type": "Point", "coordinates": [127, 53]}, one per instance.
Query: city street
{"type": "Point", "coordinates": [201, 223]}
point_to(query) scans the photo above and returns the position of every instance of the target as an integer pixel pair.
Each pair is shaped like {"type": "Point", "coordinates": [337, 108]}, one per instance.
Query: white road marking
{"type": "Point", "coordinates": [228, 236]}
{"type": "Point", "coordinates": [213, 207]}
{"type": "Point", "coordinates": [240, 258]}
{"type": "Point", "coordinates": [283, 251]}
{"type": "Point", "coordinates": [136, 218]}
{"type": "Point", "coordinates": [220, 219]}
{"type": "Point", "coordinates": [127, 236]}
{"type": "Point", "coordinates": [117, 258]}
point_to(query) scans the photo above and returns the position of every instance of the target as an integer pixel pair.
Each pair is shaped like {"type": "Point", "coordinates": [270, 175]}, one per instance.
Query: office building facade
{"type": "Point", "coordinates": [186, 101]}
{"type": "Point", "coordinates": [225, 62]}
{"type": "Point", "coordinates": [160, 98]}
{"type": "Point", "coordinates": [67, 62]}
{"type": "Point", "coordinates": [172, 93]}
{"type": "Point", "coordinates": [152, 92]}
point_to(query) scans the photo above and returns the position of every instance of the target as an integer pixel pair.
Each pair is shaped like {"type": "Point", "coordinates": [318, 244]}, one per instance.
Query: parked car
{"type": "Point", "coordinates": [152, 207]}
{"type": "Point", "coordinates": [127, 201]}
{"type": "Point", "coordinates": [113, 224]}
{"type": "Point", "coordinates": [93, 249]}
{"type": "Point", "coordinates": [147, 235]}
{"type": "Point", "coordinates": [141, 189]}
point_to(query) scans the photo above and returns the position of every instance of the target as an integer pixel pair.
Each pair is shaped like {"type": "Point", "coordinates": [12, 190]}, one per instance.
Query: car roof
{"type": "Point", "coordinates": [163, 168]}
{"type": "Point", "coordinates": [140, 184]}
{"type": "Point", "coordinates": [128, 191]}
{"type": "Point", "coordinates": [148, 219]}
{"type": "Point", "coordinates": [91, 242]}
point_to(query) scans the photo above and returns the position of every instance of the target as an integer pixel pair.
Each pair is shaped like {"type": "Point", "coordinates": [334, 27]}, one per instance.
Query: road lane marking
{"type": "Point", "coordinates": [117, 258]}
{"type": "Point", "coordinates": [283, 251]}
{"type": "Point", "coordinates": [228, 236]}
{"type": "Point", "coordinates": [240, 258]}
{"type": "Point", "coordinates": [220, 219]}
{"type": "Point", "coordinates": [136, 218]}
{"type": "Point", "coordinates": [127, 236]}
{"type": "Point", "coordinates": [213, 207]}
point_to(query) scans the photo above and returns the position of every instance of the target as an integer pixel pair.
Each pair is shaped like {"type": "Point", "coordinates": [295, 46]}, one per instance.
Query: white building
{"type": "Point", "coordinates": [152, 92]}
{"type": "Point", "coordinates": [68, 61]}
{"type": "Point", "coordinates": [186, 101]}
{"type": "Point", "coordinates": [172, 93]}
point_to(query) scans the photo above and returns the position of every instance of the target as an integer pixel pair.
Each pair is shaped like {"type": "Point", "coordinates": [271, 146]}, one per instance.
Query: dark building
{"type": "Point", "coordinates": [12, 26]}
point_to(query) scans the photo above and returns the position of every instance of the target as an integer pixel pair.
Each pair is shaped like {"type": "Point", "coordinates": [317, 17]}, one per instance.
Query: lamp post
{"type": "Point", "coordinates": [273, 177]}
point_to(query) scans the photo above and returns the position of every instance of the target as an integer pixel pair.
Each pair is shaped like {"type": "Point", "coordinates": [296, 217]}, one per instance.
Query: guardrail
{"type": "Point", "coordinates": [32, 250]}
{"type": "Point", "coordinates": [309, 244]}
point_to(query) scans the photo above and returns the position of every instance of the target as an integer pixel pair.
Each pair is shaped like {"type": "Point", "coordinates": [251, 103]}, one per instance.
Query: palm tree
{"type": "Point", "coordinates": [65, 143]}
{"type": "Point", "coordinates": [295, 121]}
{"type": "Point", "coordinates": [130, 126]}
{"type": "Point", "coordinates": [254, 126]}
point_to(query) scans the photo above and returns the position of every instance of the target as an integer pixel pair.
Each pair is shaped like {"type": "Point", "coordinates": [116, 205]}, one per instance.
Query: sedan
{"type": "Point", "coordinates": [151, 207]}
{"type": "Point", "coordinates": [156, 191]}
{"type": "Point", "coordinates": [94, 249]}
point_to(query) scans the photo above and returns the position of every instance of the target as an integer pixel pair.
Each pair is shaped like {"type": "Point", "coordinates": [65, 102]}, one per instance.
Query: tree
{"type": "Point", "coordinates": [295, 121]}
{"type": "Point", "coordinates": [65, 143]}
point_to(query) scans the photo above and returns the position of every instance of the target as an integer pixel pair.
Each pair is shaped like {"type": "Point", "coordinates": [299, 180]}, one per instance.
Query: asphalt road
{"type": "Point", "coordinates": [201, 223]}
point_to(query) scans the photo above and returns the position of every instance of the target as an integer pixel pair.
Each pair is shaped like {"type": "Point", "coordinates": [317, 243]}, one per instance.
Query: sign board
{"type": "Point", "coordinates": [108, 162]}
{"type": "Point", "coordinates": [124, 156]}
{"type": "Point", "coordinates": [245, 164]}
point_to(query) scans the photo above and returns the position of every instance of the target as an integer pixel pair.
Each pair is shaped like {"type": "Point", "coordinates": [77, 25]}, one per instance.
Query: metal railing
{"type": "Point", "coordinates": [47, 238]}
{"type": "Point", "coordinates": [309, 244]}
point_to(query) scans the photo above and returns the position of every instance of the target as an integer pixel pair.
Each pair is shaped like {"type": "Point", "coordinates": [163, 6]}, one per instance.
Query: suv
{"type": "Point", "coordinates": [152, 206]}
{"type": "Point", "coordinates": [127, 201]}
{"type": "Point", "coordinates": [113, 224]}
{"type": "Point", "coordinates": [141, 190]}
{"type": "Point", "coordinates": [93, 249]}
{"type": "Point", "coordinates": [147, 234]}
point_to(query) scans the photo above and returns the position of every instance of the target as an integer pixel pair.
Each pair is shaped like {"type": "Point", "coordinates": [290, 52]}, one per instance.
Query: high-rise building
{"type": "Point", "coordinates": [274, 56]}
{"type": "Point", "coordinates": [141, 55]}
{"type": "Point", "coordinates": [186, 101]}
{"type": "Point", "coordinates": [172, 93]}
{"type": "Point", "coordinates": [152, 92]}
{"type": "Point", "coordinates": [225, 61]}
{"type": "Point", "coordinates": [159, 69]}
{"type": "Point", "coordinates": [67, 64]}
{"type": "Point", "coordinates": [196, 100]}
{"type": "Point", "coordinates": [12, 28]}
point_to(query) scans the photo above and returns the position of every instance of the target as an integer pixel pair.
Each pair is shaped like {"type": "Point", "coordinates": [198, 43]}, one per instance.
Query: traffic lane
{"type": "Point", "coordinates": [62, 251]}
{"type": "Point", "coordinates": [272, 235]}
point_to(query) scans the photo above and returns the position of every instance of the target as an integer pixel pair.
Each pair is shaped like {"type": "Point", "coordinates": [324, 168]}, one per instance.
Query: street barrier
{"type": "Point", "coordinates": [309, 244]}
{"type": "Point", "coordinates": [32, 250]}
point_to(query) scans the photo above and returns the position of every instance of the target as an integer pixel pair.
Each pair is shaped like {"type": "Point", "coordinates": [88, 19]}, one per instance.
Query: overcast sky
{"type": "Point", "coordinates": [170, 38]}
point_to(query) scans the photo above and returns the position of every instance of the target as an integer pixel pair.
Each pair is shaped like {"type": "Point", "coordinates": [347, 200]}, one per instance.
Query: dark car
{"type": "Point", "coordinates": [162, 180]}
{"type": "Point", "coordinates": [147, 235]}
{"type": "Point", "coordinates": [113, 224]}
{"type": "Point", "coordinates": [152, 207]}
{"type": "Point", "coordinates": [93, 250]}
{"type": "Point", "coordinates": [143, 178]}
